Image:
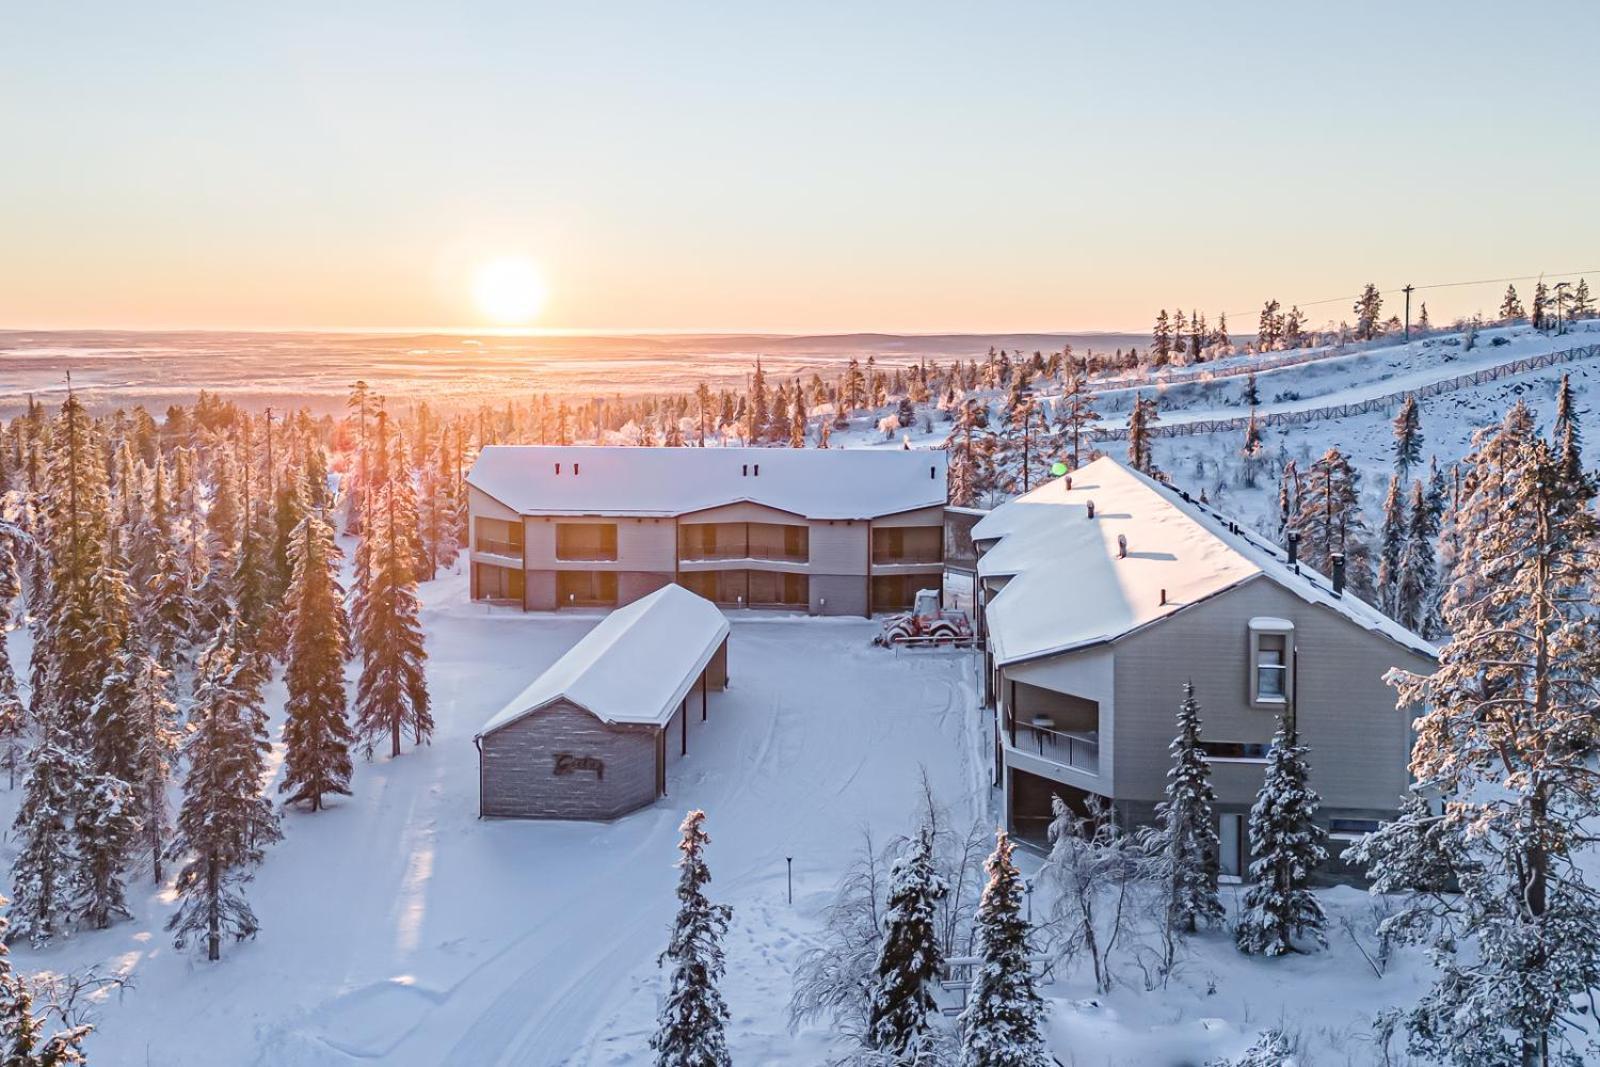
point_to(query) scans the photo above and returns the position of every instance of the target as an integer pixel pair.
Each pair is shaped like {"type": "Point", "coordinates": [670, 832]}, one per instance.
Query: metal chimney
{"type": "Point", "coordinates": [1091, 509]}
{"type": "Point", "coordinates": [1122, 546]}
{"type": "Point", "coordinates": [1337, 558]}
{"type": "Point", "coordinates": [1294, 548]}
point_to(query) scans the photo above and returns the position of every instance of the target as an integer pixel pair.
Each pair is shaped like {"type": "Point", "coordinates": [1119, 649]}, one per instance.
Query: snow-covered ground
{"type": "Point", "coordinates": [400, 928]}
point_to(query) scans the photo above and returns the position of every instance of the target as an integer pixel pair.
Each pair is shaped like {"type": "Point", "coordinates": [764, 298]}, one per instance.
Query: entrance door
{"type": "Point", "coordinates": [1231, 838]}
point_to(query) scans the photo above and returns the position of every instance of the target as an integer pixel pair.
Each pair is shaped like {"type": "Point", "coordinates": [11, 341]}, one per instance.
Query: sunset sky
{"type": "Point", "coordinates": [787, 167]}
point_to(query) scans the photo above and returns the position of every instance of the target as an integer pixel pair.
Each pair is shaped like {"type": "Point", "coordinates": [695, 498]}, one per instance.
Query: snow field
{"type": "Point", "coordinates": [399, 928]}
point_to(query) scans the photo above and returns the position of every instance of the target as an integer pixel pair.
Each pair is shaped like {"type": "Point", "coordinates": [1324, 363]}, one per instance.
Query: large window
{"type": "Point", "coordinates": [586, 540]}
{"type": "Point", "coordinates": [586, 589]}
{"type": "Point", "coordinates": [1271, 662]}
{"type": "Point", "coordinates": [499, 536]}
{"type": "Point", "coordinates": [907, 544]}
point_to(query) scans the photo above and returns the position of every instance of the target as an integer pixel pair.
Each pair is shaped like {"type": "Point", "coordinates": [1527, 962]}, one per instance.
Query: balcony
{"type": "Point", "coordinates": [499, 548]}
{"type": "Point", "coordinates": [721, 541]}
{"type": "Point", "coordinates": [1051, 738]}
{"type": "Point", "coordinates": [908, 545]}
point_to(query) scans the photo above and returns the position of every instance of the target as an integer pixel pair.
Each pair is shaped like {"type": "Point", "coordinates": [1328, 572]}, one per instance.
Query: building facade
{"type": "Point", "coordinates": [827, 531]}
{"type": "Point", "coordinates": [1105, 592]}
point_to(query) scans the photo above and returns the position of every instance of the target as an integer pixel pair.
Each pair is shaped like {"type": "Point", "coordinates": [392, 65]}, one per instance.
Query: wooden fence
{"type": "Point", "coordinates": [1386, 402]}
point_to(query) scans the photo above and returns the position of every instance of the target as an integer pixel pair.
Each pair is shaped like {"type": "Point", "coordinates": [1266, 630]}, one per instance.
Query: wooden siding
{"type": "Point", "coordinates": [839, 547]}
{"type": "Point", "coordinates": [1359, 742]}
{"type": "Point", "coordinates": [517, 767]}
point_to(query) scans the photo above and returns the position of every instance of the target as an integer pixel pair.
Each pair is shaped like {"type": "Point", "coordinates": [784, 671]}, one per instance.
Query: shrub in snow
{"type": "Point", "coordinates": [1287, 845]}
{"type": "Point", "coordinates": [1095, 868]}
{"type": "Point", "coordinates": [1271, 1049]}
{"type": "Point", "coordinates": [690, 1025]}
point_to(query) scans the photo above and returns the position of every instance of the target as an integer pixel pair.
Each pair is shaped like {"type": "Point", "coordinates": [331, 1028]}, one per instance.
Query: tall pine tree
{"type": "Point", "coordinates": [1287, 846]}
{"type": "Point", "coordinates": [1004, 1020]}
{"type": "Point", "coordinates": [911, 958]}
{"type": "Point", "coordinates": [316, 732]}
{"type": "Point", "coordinates": [690, 1030]}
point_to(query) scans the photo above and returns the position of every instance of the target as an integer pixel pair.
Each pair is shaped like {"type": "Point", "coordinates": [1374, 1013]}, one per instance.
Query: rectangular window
{"type": "Point", "coordinates": [1235, 750]}
{"type": "Point", "coordinates": [586, 541]}
{"type": "Point", "coordinates": [579, 589]}
{"type": "Point", "coordinates": [498, 536]}
{"type": "Point", "coordinates": [1271, 662]}
{"type": "Point", "coordinates": [1353, 827]}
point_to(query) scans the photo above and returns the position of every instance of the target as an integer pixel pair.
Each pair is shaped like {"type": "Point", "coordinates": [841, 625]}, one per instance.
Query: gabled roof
{"type": "Point", "coordinates": [831, 483]}
{"type": "Point", "coordinates": [636, 666]}
{"type": "Point", "coordinates": [1068, 589]}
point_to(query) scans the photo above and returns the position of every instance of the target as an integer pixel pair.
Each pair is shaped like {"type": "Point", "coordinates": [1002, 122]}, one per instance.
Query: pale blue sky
{"type": "Point", "coordinates": [905, 166]}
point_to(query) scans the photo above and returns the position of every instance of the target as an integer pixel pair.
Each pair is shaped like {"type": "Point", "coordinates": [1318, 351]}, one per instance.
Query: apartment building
{"type": "Point", "coordinates": [1103, 592]}
{"type": "Point", "coordinates": [827, 531]}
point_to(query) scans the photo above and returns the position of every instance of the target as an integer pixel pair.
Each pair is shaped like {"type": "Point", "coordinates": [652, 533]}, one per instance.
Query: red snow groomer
{"type": "Point", "coordinates": [926, 624]}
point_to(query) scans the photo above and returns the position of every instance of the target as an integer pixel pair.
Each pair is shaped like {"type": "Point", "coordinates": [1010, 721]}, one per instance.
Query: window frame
{"type": "Point", "coordinates": [563, 557]}
{"type": "Point", "coordinates": [1273, 630]}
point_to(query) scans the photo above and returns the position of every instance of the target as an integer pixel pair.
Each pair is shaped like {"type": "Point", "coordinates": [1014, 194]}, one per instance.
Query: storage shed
{"type": "Point", "coordinates": [591, 737]}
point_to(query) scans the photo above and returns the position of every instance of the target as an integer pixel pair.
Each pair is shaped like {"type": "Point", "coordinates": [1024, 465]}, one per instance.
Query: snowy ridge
{"type": "Point", "coordinates": [618, 480]}
{"type": "Point", "coordinates": [1069, 587]}
{"type": "Point", "coordinates": [630, 667]}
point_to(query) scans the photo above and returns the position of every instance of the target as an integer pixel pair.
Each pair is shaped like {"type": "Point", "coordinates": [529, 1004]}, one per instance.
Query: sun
{"type": "Point", "coordinates": [508, 292]}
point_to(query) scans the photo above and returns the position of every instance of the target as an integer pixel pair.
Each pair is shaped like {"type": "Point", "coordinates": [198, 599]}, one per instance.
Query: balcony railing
{"type": "Point", "coordinates": [499, 548]}
{"type": "Point", "coordinates": [1078, 749]}
{"type": "Point", "coordinates": [777, 553]}
{"type": "Point", "coordinates": [908, 555]}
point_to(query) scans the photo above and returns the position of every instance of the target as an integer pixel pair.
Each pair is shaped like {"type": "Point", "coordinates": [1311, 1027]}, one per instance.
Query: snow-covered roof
{"type": "Point", "coordinates": [1069, 589]}
{"type": "Point", "coordinates": [636, 666]}
{"type": "Point", "coordinates": [833, 483]}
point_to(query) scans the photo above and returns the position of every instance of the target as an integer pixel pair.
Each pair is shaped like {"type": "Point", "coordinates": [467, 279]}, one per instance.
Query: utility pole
{"type": "Point", "coordinates": [1408, 290]}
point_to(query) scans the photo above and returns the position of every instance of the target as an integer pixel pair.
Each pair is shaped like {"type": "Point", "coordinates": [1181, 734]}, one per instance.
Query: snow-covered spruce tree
{"type": "Point", "coordinates": [316, 732]}
{"type": "Point", "coordinates": [1506, 742]}
{"type": "Point", "coordinates": [392, 693]}
{"type": "Point", "coordinates": [1075, 416]}
{"type": "Point", "coordinates": [164, 606]}
{"type": "Point", "coordinates": [690, 1026]}
{"type": "Point", "coordinates": [1329, 520]}
{"type": "Point", "coordinates": [1141, 456]}
{"type": "Point", "coordinates": [1417, 593]}
{"type": "Point", "coordinates": [1004, 1019]}
{"type": "Point", "coordinates": [1182, 846]}
{"type": "Point", "coordinates": [105, 823]}
{"type": "Point", "coordinates": [225, 823]}
{"type": "Point", "coordinates": [1391, 546]}
{"type": "Point", "coordinates": [1368, 310]}
{"type": "Point", "coordinates": [41, 904]}
{"type": "Point", "coordinates": [910, 960]}
{"type": "Point", "coordinates": [1287, 845]}
{"type": "Point", "coordinates": [1511, 309]}
{"type": "Point", "coordinates": [1568, 439]}
{"type": "Point", "coordinates": [1270, 1049]}
{"type": "Point", "coordinates": [74, 639]}
{"type": "Point", "coordinates": [1407, 438]}
{"type": "Point", "coordinates": [971, 452]}
{"type": "Point", "coordinates": [145, 687]}
{"type": "Point", "coordinates": [23, 1041]}
{"type": "Point", "coordinates": [13, 713]}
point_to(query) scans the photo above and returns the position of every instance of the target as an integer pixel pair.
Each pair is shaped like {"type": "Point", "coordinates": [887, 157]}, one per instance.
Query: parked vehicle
{"type": "Point", "coordinates": [926, 623]}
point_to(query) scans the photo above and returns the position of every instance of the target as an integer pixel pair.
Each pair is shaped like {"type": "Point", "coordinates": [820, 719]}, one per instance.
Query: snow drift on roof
{"type": "Point", "coordinates": [636, 666]}
{"type": "Point", "coordinates": [1068, 588]}
{"type": "Point", "coordinates": [816, 483]}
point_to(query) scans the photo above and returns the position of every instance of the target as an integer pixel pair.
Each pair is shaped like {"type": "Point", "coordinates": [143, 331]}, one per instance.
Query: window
{"type": "Point", "coordinates": [1243, 750]}
{"type": "Point", "coordinates": [586, 540]}
{"type": "Point", "coordinates": [1271, 661]}
{"type": "Point", "coordinates": [1351, 829]}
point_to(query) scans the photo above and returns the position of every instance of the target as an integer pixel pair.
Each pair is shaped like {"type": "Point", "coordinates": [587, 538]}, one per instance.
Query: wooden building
{"type": "Point", "coordinates": [592, 737]}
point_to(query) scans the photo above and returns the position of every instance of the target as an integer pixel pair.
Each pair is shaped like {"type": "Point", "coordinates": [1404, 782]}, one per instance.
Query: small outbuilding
{"type": "Point", "coordinates": [591, 737]}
